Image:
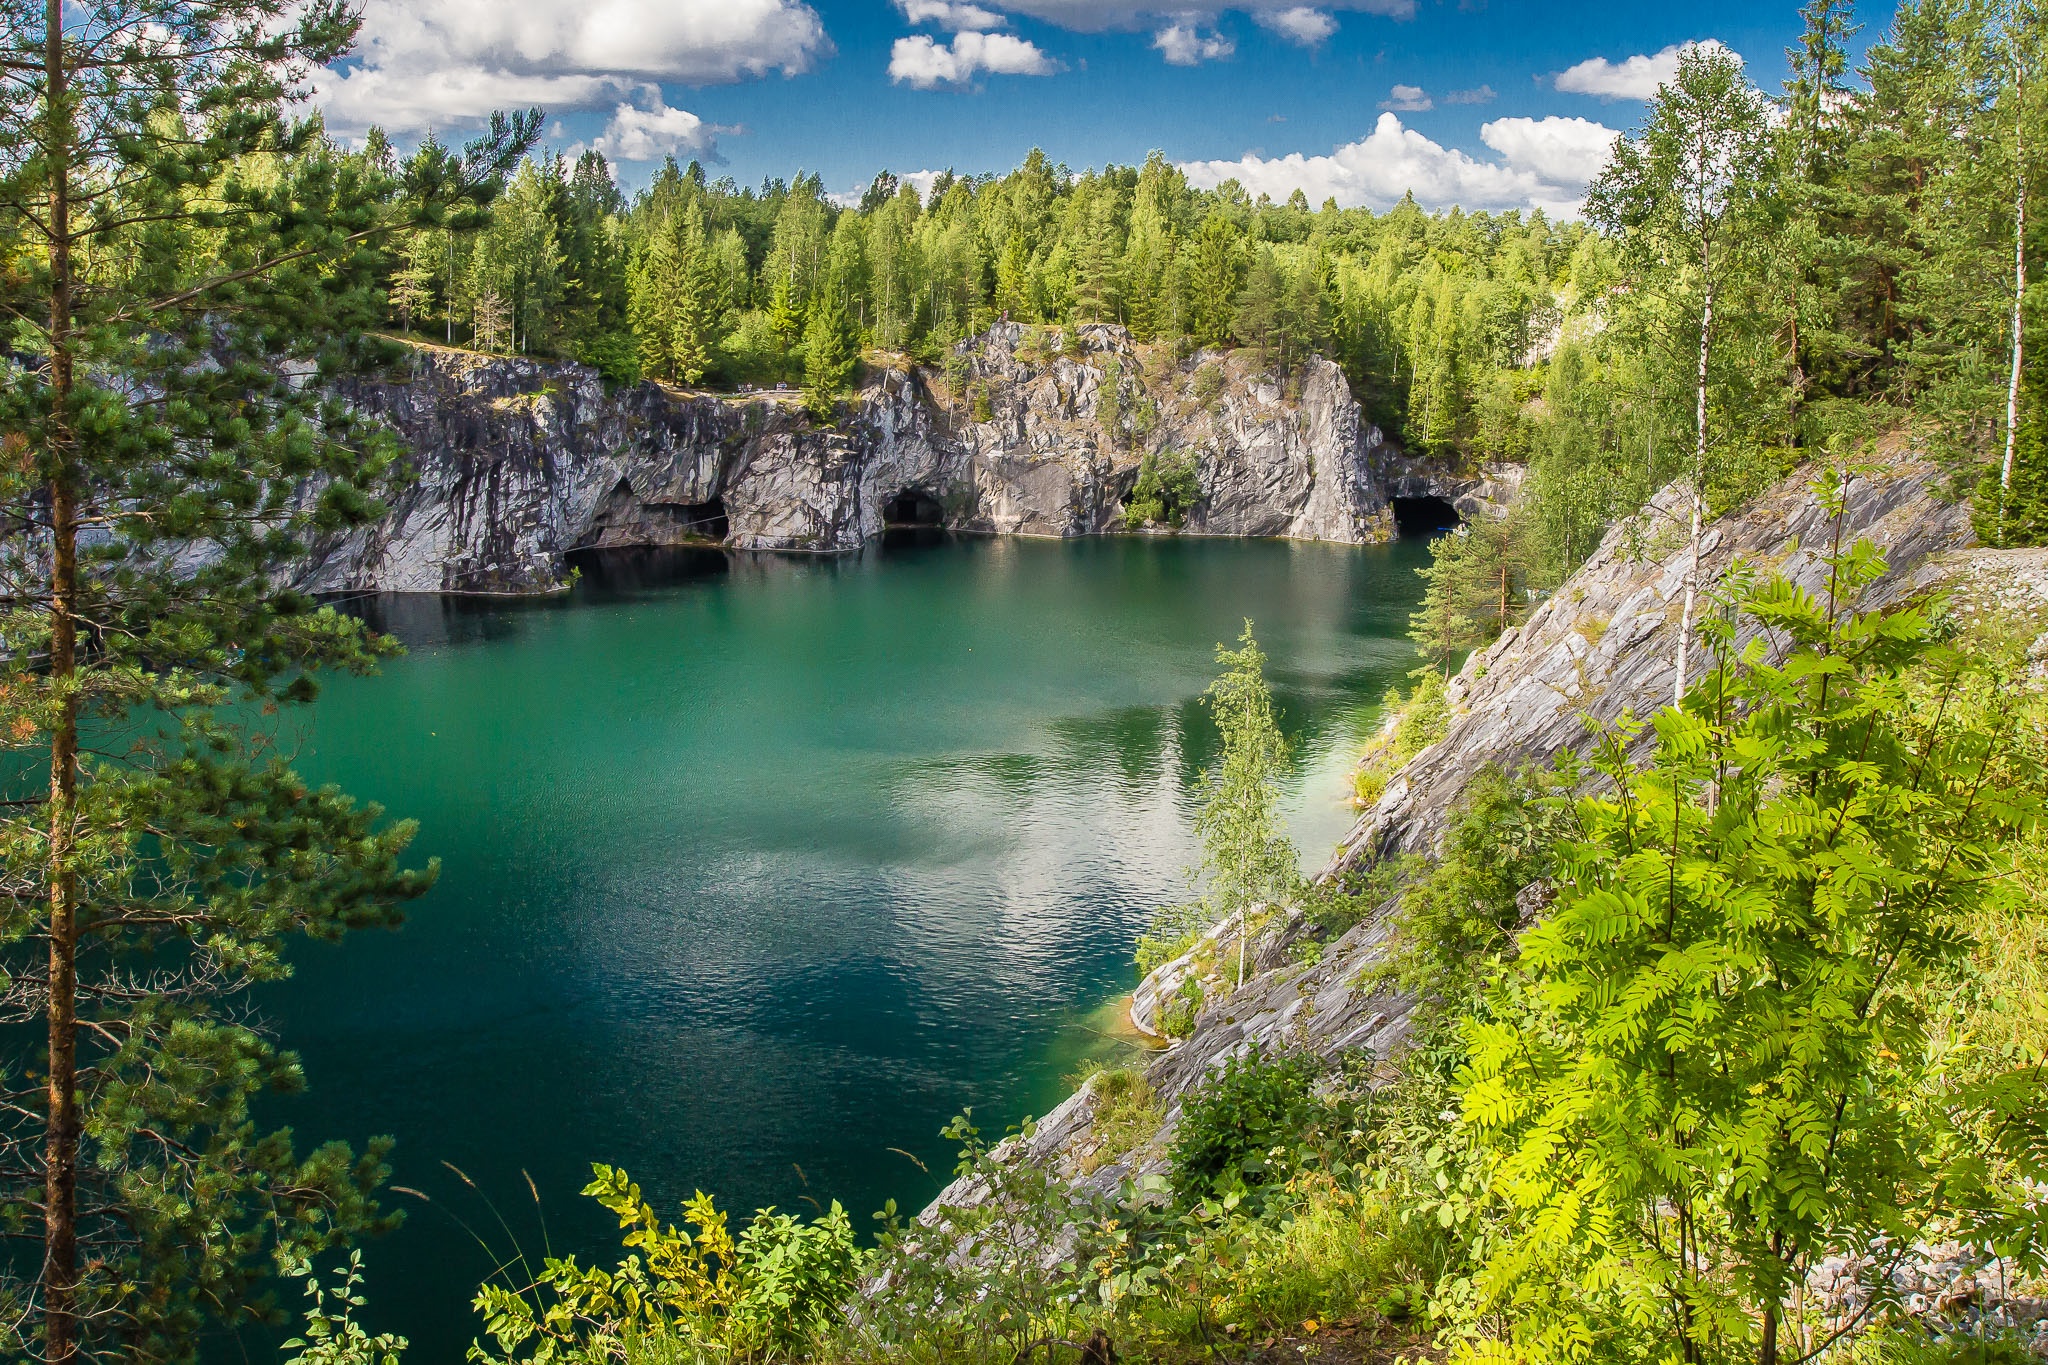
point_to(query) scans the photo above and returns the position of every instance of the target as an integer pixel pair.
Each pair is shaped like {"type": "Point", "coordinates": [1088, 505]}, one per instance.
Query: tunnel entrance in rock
{"type": "Point", "coordinates": [1424, 516]}
{"type": "Point", "coordinates": [705, 520]}
{"type": "Point", "coordinates": [913, 507]}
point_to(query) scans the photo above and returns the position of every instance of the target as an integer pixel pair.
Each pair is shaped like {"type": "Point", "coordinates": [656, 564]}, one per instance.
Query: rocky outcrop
{"type": "Point", "coordinates": [518, 463]}
{"type": "Point", "coordinates": [1601, 646]}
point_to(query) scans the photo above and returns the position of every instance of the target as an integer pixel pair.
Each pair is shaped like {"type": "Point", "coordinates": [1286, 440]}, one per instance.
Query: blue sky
{"type": "Point", "coordinates": [1489, 103]}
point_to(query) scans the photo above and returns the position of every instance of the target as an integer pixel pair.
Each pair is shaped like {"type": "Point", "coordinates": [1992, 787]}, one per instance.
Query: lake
{"type": "Point", "coordinates": [755, 869]}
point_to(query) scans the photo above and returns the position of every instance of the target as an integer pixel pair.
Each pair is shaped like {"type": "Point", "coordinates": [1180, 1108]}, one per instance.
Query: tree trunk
{"type": "Point", "coordinates": [1699, 478]}
{"type": "Point", "coordinates": [2019, 288]}
{"type": "Point", "coordinates": [60, 1150]}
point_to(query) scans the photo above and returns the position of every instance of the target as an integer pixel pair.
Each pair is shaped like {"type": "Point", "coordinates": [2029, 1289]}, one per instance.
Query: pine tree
{"type": "Point", "coordinates": [172, 472]}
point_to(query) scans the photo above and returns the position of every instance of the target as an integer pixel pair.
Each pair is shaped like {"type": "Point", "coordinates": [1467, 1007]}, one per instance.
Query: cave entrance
{"type": "Point", "coordinates": [913, 508]}
{"type": "Point", "coordinates": [705, 520]}
{"type": "Point", "coordinates": [1424, 516]}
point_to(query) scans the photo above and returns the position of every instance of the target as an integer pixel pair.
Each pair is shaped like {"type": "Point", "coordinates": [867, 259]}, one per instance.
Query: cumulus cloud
{"type": "Point", "coordinates": [1632, 78]}
{"type": "Point", "coordinates": [1482, 95]}
{"type": "Point", "coordinates": [431, 63]}
{"type": "Point", "coordinates": [642, 133]}
{"type": "Point", "coordinates": [1408, 99]}
{"type": "Point", "coordinates": [1299, 24]}
{"type": "Point", "coordinates": [927, 64]}
{"type": "Point", "coordinates": [1185, 45]}
{"type": "Point", "coordinates": [955, 16]}
{"type": "Point", "coordinates": [1544, 163]}
{"type": "Point", "coordinates": [1563, 151]}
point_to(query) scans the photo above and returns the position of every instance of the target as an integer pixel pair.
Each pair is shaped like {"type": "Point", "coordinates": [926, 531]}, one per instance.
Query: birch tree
{"type": "Point", "coordinates": [1249, 861]}
{"type": "Point", "coordinates": [1681, 190]}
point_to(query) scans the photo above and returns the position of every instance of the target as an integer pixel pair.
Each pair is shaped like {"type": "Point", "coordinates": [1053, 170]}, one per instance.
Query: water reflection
{"type": "Point", "coordinates": [758, 863]}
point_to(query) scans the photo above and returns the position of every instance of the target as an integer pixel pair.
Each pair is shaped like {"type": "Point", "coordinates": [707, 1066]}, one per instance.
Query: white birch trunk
{"type": "Point", "coordinates": [2019, 288]}
{"type": "Point", "coordinates": [1699, 476]}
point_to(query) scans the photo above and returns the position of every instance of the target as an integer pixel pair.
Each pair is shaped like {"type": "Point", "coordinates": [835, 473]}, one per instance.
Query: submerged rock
{"type": "Point", "coordinates": [518, 463]}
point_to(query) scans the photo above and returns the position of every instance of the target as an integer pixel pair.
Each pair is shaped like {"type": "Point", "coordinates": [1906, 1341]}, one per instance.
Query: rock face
{"type": "Point", "coordinates": [519, 463]}
{"type": "Point", "coordinates": [1600, 646]}
{"type": "Point", "coordinates": [1603, 644]}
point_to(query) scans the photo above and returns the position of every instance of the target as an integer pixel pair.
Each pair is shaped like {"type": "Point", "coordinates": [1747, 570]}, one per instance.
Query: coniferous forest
{"type": "Point", "coordinates": [1778, 1008]}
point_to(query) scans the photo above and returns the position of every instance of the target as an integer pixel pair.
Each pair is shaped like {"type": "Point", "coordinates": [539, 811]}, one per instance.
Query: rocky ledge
{"type": "Point", "coordinates": [518, 463]}
{"type": "Point", "coordinates": [1599, 647]}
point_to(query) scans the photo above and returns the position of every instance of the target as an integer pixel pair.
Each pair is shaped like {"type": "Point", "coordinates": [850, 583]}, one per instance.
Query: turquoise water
{"type": "Point", "coordinates": [754, 870]}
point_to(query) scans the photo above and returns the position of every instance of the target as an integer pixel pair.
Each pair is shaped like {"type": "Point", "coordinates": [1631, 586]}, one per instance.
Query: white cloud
{"type": "Point", "coordinates": [1408, 99]}
{"type": "Point", "coordinates": [1299, 24]}
{"type": "Point", "coordinates": [955, 16]}
{"type": "Point", "coordinates": [430, 63]}
{"type": "Point", "coordinates": [1184, 45]}
{"type": "Point", "coordinates": [1482, 95]}
{"type": "Point", "coordinates": [1563, 151]}
{"type": "Point", "coordinates": [1544, 163]}
{"type": "Point", "coordinates": [927, 64]}
{"type": "Point", "coordinates": [642, 134]}
{"type": "Point", "coordinates": [1632, 78]}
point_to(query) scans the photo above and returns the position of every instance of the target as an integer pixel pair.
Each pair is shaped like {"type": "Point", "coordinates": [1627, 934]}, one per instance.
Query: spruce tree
{"type": "Point", "coordinates": [188, 263]}
{"type": "Point", "coordinates": [830, 350]}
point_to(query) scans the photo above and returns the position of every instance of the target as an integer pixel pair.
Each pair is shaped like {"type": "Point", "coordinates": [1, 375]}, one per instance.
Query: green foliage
{"type": "Point", "coordinates": [1177, 1016]}
{"type": "Point", "coordinates": [1458, 921]}
{"type": "Point", "coordinates": [1710, 1066]}
{"type": "Point", "coordinates": [1239, 1130]}
{"type": "Point", "coordinates": [1208, 383]}
{"type": "Point", "coordinates": [831, 350]}
{"type": "Point", "coordinates": [1477, 577]}
{"type": "Point", "coordinates": [767, 1291]}
{"type": "Point", "coordinates": [332, 1336]}
{"type": "Point", "coordinates": [1250, 864]}
{"type": "Point", "coordinates": [186, 251]}
{"type": "Point", "coordinates": [1414, 722]}
{"type": "Point", "coordinates": [1167, 490]}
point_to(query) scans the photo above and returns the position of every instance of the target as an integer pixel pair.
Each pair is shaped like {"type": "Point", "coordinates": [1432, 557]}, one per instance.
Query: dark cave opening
{"type": "Point", "coordinates": [913, 507]}
{"type": "Point", "coordinates": [1424, 516]}
{"type": "Point", "coordinates": [705, 520]}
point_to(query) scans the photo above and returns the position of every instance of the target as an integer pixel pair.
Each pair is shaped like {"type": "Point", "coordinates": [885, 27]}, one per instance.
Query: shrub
{"type": "Point", "coordinates": [1177, 1016]}
{"type": "Point", "coordinates": [1239, 1129]}
{"type": "Point", "coordinates": [1174, 929]}
{"type": "Point", "coordinates": [1208, 383]}
{"type": "Point", "coordinates": [772, 1288]}
{"type": "Point", "coordinates": [1722, 1022]}
{"type": "Point", "coordinates": [1167, 490]}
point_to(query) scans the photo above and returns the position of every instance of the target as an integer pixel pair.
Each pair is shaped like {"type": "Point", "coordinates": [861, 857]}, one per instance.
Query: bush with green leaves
{"type": "Point", "coordinates": [332, 1336]}
{"type": "Point", "coordinates": [1240, 1129]}
{"type": "Point", "coordinates": [1712, 1066]}
{"type": "Point", "coordinates": [769, 1291]}
{"type": "Point", "coordinates": [1178, 1014]}
{"type": "Point", "coordinates": [1167, 490]}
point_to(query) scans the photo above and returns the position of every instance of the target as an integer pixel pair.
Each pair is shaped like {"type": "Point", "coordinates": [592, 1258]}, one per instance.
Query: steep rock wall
{"type": "Point", "coordinates": [518, 463]}
{"type": "Point", "coordinates": [1600, 646]}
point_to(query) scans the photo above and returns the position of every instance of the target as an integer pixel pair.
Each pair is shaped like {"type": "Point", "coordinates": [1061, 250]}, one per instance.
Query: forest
{"type": "Point", "coordinates": [1782, 1007]}
{"type": "Point", "coordinates": [1858, 239]}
